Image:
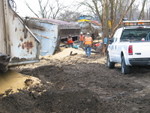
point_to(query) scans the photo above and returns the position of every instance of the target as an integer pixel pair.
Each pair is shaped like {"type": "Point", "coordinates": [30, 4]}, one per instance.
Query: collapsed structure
{"type": "Point", "coordinates": [90, 25]}
{"type": "Point", "coordinates": [51, 31]}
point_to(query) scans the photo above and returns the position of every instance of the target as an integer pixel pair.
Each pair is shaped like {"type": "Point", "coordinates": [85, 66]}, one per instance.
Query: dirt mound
{"type": "Point", "coordinates": [12, 82]}
{"type": "Point", "coordinates": [76, 84]}
{"type": "Point", "coordinates": [80, 101]}
{"type": "Point", "coordinates": [64, 53]}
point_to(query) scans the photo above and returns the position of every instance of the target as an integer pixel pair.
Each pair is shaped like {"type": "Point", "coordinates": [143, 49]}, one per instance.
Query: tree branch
{"type": "Point", "coordinates": [31, 10]}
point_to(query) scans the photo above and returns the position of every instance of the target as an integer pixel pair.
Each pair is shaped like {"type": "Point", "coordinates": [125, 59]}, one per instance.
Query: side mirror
{"type": "Point", "coordinates": [111, 40]}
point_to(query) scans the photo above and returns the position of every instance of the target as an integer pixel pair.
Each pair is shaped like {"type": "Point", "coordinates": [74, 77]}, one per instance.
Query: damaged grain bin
{"type": "Point", "coordinates": [67, 28]}
{"type": "Point", "coordinates": [46, 32]}
{"type": "Point", "coordinates": [50, 32]}
{"type": "Point", "coordinates": [17, 41]}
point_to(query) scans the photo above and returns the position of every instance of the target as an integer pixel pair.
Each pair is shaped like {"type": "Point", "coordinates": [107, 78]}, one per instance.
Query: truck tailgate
{"type": "Point", "coordinates": [141, 50]}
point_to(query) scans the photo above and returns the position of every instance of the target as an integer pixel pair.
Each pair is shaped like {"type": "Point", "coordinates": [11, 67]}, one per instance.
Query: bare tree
{"type": "Point", "coordinates": [32, 10]}
{"type": "Point", "coordinates": [148, 13]}
{"type": "Point", "coordinates": [122, 16]}
{"type": "Point", "coordinates": [141, 16]}
{"type": "Point", "coordinates": [110, 12]}
{"type": "Point", "coordinates": [47, 9]}
{"type": "Point", "coordinates": [55, 9]}
{"type": "Point", "coordinates": [68, 15]}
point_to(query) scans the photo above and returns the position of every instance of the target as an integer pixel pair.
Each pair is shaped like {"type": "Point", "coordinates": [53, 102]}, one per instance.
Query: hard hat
{"type": "Point", "coordinates": [81, 33]}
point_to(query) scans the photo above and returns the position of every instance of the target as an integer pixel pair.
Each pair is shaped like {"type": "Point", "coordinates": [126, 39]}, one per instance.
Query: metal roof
{"type": "Point", "coordinates": [60, 23]}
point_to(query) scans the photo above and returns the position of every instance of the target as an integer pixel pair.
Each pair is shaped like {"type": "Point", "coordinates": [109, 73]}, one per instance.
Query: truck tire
{"type": "Point", "coordinates": [110, 64]}
{"type": "Point", "coordinates": [124, 68]}
{"type": "Point", "coordinates": [3, 69]}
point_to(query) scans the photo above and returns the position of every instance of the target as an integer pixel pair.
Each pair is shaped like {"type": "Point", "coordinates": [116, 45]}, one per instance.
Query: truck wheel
{"type": "Point", "coordinates": [3, 68]}
{"type": "Point", "coordinates": [110, 64]}
{"type": "Point", "coordinates": [124, 68]}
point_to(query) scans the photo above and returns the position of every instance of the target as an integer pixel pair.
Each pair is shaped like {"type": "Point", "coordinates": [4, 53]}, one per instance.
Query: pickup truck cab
{"type": "Point", "coordinates": [130, 46]}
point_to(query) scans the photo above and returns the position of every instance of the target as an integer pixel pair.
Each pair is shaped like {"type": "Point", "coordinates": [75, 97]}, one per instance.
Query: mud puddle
{"type": "Point", "coordinates": [12, 82]}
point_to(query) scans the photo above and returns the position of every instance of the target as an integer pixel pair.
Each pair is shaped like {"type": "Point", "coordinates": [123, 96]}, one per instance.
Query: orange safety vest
{"type": "Point", "coordinates": [88, 41]}
{"type": "Point", "coordinates": [81, 38]}
{"type": "Point", "coordinates": [70, 41]}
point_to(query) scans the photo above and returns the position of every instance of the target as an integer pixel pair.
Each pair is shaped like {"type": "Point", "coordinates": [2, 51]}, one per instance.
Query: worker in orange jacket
{"type": "Point", "coordinates": [70, 41]}
{"type": "Point", "coordinates": [88, 41]}
{"type": "Point", "coordinates": [81, 39]}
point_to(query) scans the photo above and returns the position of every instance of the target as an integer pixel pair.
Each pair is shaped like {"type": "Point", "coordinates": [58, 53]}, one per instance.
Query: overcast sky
{"type": "Point", "coordinates": [24, 11]}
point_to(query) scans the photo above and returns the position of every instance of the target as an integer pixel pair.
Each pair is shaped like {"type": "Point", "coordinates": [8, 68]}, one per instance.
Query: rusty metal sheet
{"type": "Point", "coordinates": [46, 32]}
{"type": "Point", "coordinates": [23, 45]}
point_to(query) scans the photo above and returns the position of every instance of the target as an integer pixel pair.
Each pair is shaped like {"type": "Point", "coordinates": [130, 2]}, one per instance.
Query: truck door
{"type": "Point", "coordinates": [115, 45]}
{"type": "Point", "coordinates": [112, 49]}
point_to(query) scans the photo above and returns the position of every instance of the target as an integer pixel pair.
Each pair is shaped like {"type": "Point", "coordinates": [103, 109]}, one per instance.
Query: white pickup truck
{"type": "Point", "coordinates": [130, 46]}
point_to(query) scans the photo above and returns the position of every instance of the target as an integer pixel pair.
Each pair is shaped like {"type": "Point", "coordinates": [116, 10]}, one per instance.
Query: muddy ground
{"type": "Point", "coordinates": [76, 84]}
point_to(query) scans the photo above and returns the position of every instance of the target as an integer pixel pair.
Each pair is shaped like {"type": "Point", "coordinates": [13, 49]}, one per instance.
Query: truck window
{"type": "Point", "coordinates": [148, 36]}
{"type": "Point", "coordinates": [117, 35]}
{"type": "Point", "coordinates": [135, 35]}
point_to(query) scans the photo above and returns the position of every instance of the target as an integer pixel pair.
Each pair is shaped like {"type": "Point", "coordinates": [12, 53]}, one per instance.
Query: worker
{"type": "Point", "coordinates": [93, 36]}
{"type": "Point", "coordinates": [105, 44]}
{"type": "Point", "coordinates": [81, 39]}
{"type": "Point", "coordinates": [88, 41]}
{"type": "Point", "coordinates": [70, 41]}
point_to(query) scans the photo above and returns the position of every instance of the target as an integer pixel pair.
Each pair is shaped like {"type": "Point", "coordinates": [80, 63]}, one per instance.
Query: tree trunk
{"type": "Point", "coordinates": [141, 16]}
{"type": "Point", "coordinates": [120, 21]}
